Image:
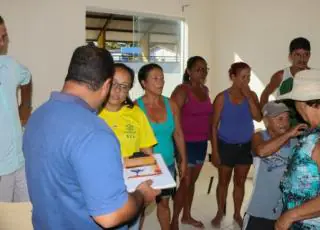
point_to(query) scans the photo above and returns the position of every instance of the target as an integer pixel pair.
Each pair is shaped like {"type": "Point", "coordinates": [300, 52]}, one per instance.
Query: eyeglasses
{"type": "Point", "coordinates": [122, 87]}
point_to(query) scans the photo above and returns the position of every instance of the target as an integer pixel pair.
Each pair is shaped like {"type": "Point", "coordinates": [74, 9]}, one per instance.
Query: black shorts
{"type": "Point", "coordinates": [234, 154]}
{"type": "Point", "coordinates": [170, 192]}
{"type": "Point", "coordinates": [257, 223]}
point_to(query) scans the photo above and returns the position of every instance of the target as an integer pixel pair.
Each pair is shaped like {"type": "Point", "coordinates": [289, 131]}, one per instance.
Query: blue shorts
{"type": "Point", "coordinates": [196, 152]}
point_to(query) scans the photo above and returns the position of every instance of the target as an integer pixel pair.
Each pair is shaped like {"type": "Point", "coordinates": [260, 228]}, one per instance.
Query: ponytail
{"type": "Point", "coordinates": [186, 77]}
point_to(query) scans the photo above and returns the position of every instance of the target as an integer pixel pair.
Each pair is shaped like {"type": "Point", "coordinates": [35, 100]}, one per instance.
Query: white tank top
{"type": "Point", "coordinates": [286, 74]}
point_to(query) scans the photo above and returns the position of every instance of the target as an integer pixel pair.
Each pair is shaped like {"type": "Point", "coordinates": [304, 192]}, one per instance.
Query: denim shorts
{"type": "Point", "coordinates": [196, 152]}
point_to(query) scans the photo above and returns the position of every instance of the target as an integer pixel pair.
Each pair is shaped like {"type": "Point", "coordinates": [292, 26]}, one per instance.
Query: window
{"type": "Point", "coordinates": [136, 41]}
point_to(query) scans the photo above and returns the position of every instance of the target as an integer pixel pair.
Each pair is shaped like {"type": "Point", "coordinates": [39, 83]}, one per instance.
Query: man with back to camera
{"type": "Point", "coordinates": [13, 76]}
{"type": "Point", "coordinates": [271, 149]}
{"type": "Point", "coordinates": [73, 161]}
{"type": "Point", "coordinates": [282, 80]}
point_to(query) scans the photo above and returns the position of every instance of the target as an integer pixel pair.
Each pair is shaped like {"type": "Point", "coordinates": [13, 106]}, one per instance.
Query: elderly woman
{"type": "Point", "coordinates": [301, 183]}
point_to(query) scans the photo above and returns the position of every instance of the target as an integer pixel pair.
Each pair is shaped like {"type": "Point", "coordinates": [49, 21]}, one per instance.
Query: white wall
{"type": "Point", "coordinates": [44, 33]}
{"type": "Point", "coordinates": [260, 33]}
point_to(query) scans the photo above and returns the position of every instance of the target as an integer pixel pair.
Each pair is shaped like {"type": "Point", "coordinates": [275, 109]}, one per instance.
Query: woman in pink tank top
{"type": "Point", "coordinates": [192, 98]}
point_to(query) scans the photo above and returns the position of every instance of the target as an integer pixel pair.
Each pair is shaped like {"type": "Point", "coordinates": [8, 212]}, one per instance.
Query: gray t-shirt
{"type": "Point", "coordinates": [266, 195]}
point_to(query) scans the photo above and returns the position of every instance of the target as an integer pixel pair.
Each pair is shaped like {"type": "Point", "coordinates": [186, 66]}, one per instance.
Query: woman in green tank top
{"type": "Point", "coordinates": [163, 115]}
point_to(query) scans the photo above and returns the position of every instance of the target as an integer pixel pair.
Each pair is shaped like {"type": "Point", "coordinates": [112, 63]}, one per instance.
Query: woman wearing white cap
{"type": "Point", "coordinates": [301, 183]}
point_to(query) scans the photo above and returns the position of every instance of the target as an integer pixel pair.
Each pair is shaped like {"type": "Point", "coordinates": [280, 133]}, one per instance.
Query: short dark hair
{"type": "Point", "coordinates": [91, 66]}
{"type": "Point", "coordinates": [190, 63]}
{"type": "Point", "coordinates": [128, 102]}
{"type": "Point", "coordinates": [299, 43]}
{"type": "Point", "coordinates": [1, 20]}
{"type": "Point", "coordinates": [145, 70]}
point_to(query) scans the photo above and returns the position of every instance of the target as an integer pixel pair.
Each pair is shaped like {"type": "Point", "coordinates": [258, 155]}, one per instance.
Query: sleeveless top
{"type": "Point", "coordinates": [236, 123]}
{"type": "Point", "coordinates": [163, 132]}
{"type": "Point", "coordinates": [266, 194]}
{"type": "Point", "coordinates": [286, 87]}
{"type": "Point", "coordinates": [195, 117]}
{"type": "Point", "coordinates": [286, 83]}
{"type": "Point", "coordinates": [301, 182]}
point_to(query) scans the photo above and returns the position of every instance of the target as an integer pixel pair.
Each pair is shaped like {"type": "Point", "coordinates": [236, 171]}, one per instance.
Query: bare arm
{"type": "Point", "coordinates": [179, 138]}
{"type": "Point", "coordinates": [26, 91]}
{"type": "Point", "coordinates": [217, 108]}
{"type": "Point", "coordinates": [255, 106]}
{"type": "Point", "coordinates": [177, 100]}
{"type": "Point", "coordinates": [266, 148]}
{"type": "Point", "coordinates": [271, 87]}
{"type": "Point", "coordinates": [107, 199]}
{"type": "Point", "coordinates": [127, 212]}
{"type": "Point", "coordinates": [307, 210]}
{"type": "Point", "coordinates": [25, 105]}
{"type": "Point", "coordinates": [179, 96]}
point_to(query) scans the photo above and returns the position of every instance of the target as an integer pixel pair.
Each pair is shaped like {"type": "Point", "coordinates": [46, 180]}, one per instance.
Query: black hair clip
{"type": "Point", "coordinates": [138, 155]}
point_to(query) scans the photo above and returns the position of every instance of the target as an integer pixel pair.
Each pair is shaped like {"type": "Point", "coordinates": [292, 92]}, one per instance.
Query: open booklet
{"type": "Point", "coordinates": [155, 170]}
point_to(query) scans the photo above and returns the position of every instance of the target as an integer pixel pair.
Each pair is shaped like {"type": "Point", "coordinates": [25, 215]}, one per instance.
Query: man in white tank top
{"type": "Point", "coordinates": [281, 81]}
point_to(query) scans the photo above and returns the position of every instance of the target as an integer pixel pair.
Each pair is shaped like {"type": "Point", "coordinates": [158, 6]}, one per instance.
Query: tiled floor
{"type": "Point", "coordinates": [205, 207]}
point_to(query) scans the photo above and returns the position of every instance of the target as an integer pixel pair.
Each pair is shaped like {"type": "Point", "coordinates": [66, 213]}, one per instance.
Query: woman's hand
{"type": "Point", "coordinates": [284, 222]}
{"type": "Point", "coordinates": [245, 90]}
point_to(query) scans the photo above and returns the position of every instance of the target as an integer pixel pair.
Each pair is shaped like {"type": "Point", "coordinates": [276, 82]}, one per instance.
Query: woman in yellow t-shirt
{"type": "Point", "coordinates": [127, 120]}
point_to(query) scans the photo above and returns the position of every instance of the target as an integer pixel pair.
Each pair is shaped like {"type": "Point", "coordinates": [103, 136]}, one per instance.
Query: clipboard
{"type": "Point", "coordinates": [160, 175]}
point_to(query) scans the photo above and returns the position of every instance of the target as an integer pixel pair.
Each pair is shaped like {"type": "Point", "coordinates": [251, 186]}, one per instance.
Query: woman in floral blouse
{"type": "Point", "coordinates": [301, 182]}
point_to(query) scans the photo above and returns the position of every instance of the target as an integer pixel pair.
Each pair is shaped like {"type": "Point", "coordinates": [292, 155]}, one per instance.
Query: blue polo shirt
{"type": "Point", "coordinates": [12, 75]}
{"type": "Point", "coordinates": [73, 165]}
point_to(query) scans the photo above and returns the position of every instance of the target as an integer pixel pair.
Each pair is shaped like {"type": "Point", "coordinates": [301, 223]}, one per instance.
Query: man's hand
{"type": "Point", "coordinates": [215, 159]}
{"type": "Point", "coordinates": [297, 130]}
{"type": "Point", "coordinates": [149, 194]}
{"type": "Point", "coordinates": [24, 113]}
{"type": "Point", "coordinates": [284, 222]}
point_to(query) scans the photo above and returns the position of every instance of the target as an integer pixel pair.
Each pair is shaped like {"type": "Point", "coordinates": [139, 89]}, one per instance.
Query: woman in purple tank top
{"type": "Point", "coordinates": [195, 107]}
{"type": "Point", "coordinates": [232, 130]}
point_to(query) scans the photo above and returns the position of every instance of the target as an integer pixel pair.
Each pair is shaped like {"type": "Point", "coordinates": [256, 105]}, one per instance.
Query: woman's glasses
{"type": "Point", "coordinates": [122, 87]}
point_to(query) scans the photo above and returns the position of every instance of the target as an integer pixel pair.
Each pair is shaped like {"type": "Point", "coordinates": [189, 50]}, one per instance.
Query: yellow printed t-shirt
{"type": "Point", "coordinates": [131, 127]}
